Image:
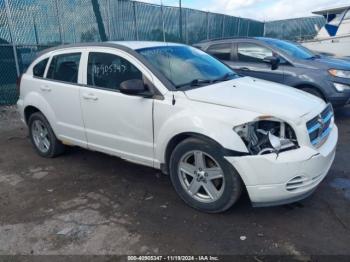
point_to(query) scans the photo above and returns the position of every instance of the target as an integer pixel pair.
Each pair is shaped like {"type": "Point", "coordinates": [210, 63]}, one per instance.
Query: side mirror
{"type": "Point", "coordinates": [134, 87]}
{"type": "Point", "coordinates": [273, 61]}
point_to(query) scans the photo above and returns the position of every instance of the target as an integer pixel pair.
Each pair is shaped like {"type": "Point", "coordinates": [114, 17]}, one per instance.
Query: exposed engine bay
{"type": "Point", "coordinates": [267, 136]}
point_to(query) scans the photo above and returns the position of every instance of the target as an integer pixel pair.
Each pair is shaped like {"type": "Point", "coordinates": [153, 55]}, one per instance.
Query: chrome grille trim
{"type": "Point", "coordinates": [319, 127]}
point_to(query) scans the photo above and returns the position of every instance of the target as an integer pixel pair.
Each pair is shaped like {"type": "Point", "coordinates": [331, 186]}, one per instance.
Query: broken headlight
{"type": "Point", "coordinates": [267, 136]}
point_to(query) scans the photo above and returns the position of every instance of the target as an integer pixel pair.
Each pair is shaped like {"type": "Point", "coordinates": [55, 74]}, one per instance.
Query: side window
{"type": "Point", "coordinates": [64, 67]}
{"type": "Point", "coordinates": [221, 51]}
{"type": "Point", "coordinates": [248, 52]}
{"type": "Point", "coordinates": [39, 68]}
{"type": "Point", "coordinates": [109, 71]}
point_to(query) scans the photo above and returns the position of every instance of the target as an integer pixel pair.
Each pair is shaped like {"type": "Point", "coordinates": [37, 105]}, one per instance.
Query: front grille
{"type": "Point", "coordinates": [320, 126]}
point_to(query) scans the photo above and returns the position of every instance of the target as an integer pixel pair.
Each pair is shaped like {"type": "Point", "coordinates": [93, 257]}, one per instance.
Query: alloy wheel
{"type": "Point", "coordinates": [201, 176]}
{"type": "Point", "coordinates": [41, 136]}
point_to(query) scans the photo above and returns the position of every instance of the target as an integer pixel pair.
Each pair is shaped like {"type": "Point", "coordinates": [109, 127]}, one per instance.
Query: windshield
{"type": "Point", "coordinates": [187, 66]}
{"type": "Point", "coordinates": [294, 50]}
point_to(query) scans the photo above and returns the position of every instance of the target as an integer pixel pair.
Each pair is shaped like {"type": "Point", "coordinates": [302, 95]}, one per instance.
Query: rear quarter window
{"type": "Point", "coordinates": [39, 68]}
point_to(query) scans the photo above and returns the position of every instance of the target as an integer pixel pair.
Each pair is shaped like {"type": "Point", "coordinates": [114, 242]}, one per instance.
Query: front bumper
{"type": "Point", "coordinates": [336, 98]}
{"type": "Point", "coordinates": [290, 176]}
{"type": "Point", "coordinates": [20, 109]}
{"type": "Point", "coordinates": [340, 100]}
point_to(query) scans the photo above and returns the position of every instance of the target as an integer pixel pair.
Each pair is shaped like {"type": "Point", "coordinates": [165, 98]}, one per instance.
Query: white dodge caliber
{"type": "Point", "coordinates": [176, 108]}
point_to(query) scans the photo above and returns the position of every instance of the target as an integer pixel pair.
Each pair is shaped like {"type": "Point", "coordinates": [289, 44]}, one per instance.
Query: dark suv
{"type": "Point", "coordinates": [285, 62]}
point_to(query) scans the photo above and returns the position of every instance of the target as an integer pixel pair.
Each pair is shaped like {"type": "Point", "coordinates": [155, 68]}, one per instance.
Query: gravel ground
{"type": "Point", "coordinates": [89, 203]}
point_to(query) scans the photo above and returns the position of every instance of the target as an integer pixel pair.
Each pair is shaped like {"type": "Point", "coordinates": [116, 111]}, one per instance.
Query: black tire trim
{"type": "Point", "coordinates": [56, 147]}
{"type": "Point", "coordinates": [234, 184]}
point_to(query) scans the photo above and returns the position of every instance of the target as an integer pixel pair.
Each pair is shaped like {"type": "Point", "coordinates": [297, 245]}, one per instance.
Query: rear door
{"type": "Point", "coordinates": [248, 60]}
{"type": "Point", "coordinates": [60, 89]}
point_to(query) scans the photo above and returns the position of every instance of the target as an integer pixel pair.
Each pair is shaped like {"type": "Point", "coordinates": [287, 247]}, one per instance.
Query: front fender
{"type": "Point", "coordinates": [212, 128]}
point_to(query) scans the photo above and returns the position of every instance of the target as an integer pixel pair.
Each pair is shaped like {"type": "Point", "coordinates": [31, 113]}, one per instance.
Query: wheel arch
{"type": "Point", "coordinates": [178, 138]}
{"type": "Point", "coordinates": [28, 111]}
{"type": "Point", "coordinates": [34, 102]}
{"type": "Point", "coordinates": [300, 86]}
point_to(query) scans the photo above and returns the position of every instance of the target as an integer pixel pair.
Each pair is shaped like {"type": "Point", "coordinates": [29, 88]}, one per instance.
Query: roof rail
{"type": "Point", "coordinates": [226, 38]}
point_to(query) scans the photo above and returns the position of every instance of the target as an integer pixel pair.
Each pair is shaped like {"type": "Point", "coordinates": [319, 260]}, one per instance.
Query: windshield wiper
{"type": "Point", "coordinates": [196, 82]}
{"type": "Point", "coordinates": [225, 77]}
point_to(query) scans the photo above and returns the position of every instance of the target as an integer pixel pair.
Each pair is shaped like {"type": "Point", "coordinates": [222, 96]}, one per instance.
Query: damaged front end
{"type": "Point", "coordinates": [267, 135]}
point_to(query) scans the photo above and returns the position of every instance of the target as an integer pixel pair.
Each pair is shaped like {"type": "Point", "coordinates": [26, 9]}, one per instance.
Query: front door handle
{"type": "Point", "coordinates": [45, 88]}
{"type": "Point", "coordinates": [90, 97]}
{"type": "Point", "coordinates": [244, 68]}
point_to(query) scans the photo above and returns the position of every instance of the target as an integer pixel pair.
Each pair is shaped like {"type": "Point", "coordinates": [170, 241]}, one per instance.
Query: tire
{"type": "Point", "coordinates": [314, 91]}
{"type": "Point", "coordinates": [43, 138]}
{"type": "Point", "coordinates": [194, 185]}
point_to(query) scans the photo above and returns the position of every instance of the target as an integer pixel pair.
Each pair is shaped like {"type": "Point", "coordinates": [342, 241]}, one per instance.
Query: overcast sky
{"type": "Point", "coordinates": [258, 9]}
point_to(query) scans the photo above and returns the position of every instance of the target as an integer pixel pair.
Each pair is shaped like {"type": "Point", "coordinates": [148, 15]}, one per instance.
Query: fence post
{"type": "Point", "coordinates": [248, 27]}
{"type": "Point", "coordinates": [108, 20]}
{"type": "Point", "coordinates": [239, 26]}
{"type": "Point", "coordinates": [14, 47]}
{"type": "Point", "coordinates": [35, 30]}
{"type": "Point", "coordinates": [264, 32]}
{"type": "Point", "coordinates": [59, 23]}
{"type": "Point", "coordinates": [135, 20]}
{"type": "Point", "coordinates": [223, 26]}
{"type": "Point", "coordinates": [207, 25]}
{"type": "Point", "coordinates": [162, 13]}
{"type": "Point", "coordinates": [180, 21]}
{"type": "Point", "coordinates": [112, 19]}
{"type": "Point", "coordinates": [186, 31]}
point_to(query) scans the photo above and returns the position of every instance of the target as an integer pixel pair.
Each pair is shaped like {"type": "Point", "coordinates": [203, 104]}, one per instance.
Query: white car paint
{"type": "Point", "coordinates": [140, 129]}
{"type": "Point", "coordinates": [291, 103]}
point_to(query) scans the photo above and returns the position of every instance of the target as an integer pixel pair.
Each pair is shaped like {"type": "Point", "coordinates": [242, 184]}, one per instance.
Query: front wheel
{"type": "Point", "coordinates": [202, 177]}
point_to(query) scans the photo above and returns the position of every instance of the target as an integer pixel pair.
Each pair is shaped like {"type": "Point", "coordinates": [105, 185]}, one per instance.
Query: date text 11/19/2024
{"type": "Point", "coordinates": [173, 258]}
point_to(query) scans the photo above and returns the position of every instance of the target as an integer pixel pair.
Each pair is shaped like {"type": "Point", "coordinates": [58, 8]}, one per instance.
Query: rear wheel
{"type": "Point", "coordinates": [202, 177]}
{"type": "Point", "coordinates": [42, 136]}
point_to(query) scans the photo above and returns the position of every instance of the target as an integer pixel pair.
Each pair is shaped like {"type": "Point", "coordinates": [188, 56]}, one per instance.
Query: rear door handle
{"type": "Point", "coordinates": [244, 68]}
{"type": "Point", "coordinates": [90, 97]}
{"type": "Point", "coordinates": [45, 88]}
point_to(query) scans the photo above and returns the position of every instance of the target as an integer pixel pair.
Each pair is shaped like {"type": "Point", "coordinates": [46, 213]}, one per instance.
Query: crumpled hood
{"type": "Point", "coordinates": [258, 95]}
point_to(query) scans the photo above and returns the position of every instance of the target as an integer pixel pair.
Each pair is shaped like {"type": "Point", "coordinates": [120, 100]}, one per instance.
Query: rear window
{"type": "Point", "coordinates": [221, 51]}
{"type": "Point", "coordinates": [65, 67]}
{"type": "Point", "coordinates": [39, 68]}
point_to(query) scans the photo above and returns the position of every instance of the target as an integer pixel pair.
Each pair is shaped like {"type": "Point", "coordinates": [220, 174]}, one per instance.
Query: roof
{"type": "Point", "coordinates": [331, 10]}
{"type": "Point", "coordinates": [224, 38]}
{"type": "Point", "coordinates": [126, 46]}
{"type": "Point", "coordinates": [133, 45]}
{"type": "Point", "coordinates": [142, 44]}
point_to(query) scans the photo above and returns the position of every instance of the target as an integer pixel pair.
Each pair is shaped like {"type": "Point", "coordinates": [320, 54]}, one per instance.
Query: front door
{"type": "Point", "coordinates": [249, 62]}
{"type": "Point", "coordinates": [116, 123]}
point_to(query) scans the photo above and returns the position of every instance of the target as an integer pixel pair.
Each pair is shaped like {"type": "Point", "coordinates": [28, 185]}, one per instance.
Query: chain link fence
{"type": "Point", "coordinates": [27, 27]}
